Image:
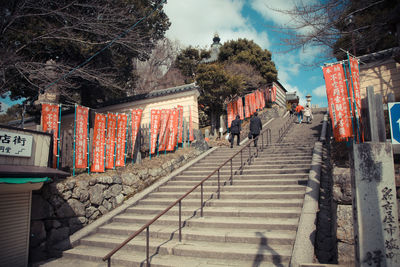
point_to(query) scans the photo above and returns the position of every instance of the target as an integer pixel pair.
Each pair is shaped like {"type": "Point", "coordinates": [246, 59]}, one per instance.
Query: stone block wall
{"type": "Point", "coordinates": [62, 207]}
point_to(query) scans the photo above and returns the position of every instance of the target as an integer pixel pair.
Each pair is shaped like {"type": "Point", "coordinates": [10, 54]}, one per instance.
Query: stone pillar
{"type": "Point", "coordinates": [375, 215]}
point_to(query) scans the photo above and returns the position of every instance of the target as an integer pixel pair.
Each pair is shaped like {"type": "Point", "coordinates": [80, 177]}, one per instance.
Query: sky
{"type": "Point", "coordinates": [194, 22]}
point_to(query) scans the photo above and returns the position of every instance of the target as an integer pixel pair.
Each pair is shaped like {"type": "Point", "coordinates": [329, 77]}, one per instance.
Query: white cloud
{"type": "Point", "coordinates": [194, 22]}
{"type": "Point", "coordinates": [320, 91]}
{"type": "Point", "coordinates": [264, 8]}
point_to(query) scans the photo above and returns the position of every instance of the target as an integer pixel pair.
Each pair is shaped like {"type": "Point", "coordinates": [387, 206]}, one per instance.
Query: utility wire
{"type": "Point", "coordinates": [107, 46]}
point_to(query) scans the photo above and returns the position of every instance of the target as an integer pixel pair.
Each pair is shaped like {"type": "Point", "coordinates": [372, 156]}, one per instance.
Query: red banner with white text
{"type": "Point", "coordinates": [273, 93]}
{"type": "Point", "coordinates": [110, 141]}
{"type": "Point", "coordinates": [239, 103]}
{"type": "Point", "coordinates": [50, 115]}
{"type": "Point", "coordinates": [173, 130]}
{"type": "Point", "coordinates": [122, 121]}
{"type": "Point", "coordinates": [98, 143]}
{"type": "Point", "coordinates": [355, 75]}
{"type": "Point", "coordinates": [162, 139]}
{"type": "Point", "coordinates": [337, 101]}
{"type": "Point", "coordinates": [155, 128]}
{"type": "Point", "coordinates": [247, 106]}
{"type": "Point", "coordinates": [229, 111]}
{"type": "Point", "coordinates": [136, 116]}
{"type": "Point", "coordinates": [81, 136]}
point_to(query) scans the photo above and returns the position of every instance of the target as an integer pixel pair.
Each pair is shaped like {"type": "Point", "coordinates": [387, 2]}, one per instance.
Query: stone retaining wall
{"type": "Point", "coordinates": [62, 207]}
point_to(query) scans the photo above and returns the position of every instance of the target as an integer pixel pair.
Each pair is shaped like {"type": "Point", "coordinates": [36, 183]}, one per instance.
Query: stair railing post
{"type": "Point", "coordinates": [180, 221]}
{"type": "Point", "coordinates": [109, 262]}
{"type": "Point", "coordinates": [201, 196]}
{"type": "Point", "coordinates": [262, 142]}
{"type": "Point", "coordinates": [218, 185]}
{"type": "Point", "coordinates": [256, 155]}
{"type": "Point", "coordinates": [231, 171]}
{"type": "Point", "coordinates": [249, 154]}
{"type": "Point", "coordinates": [241, 161]}
{"type": "Point", "coordinates": [147, 246]}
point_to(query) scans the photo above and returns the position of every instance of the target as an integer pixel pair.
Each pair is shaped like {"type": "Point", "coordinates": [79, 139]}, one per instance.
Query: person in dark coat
{"type": "Point", "coordinates": [236, 127]}
{"type": "Point", "coordinates": [255, 127]}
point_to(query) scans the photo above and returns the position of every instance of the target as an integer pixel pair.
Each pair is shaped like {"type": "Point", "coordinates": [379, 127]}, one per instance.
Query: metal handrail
{"type": "Point", "coordinates": [266, 132]}
{"type": "Point", "coordinates": [283, 130]}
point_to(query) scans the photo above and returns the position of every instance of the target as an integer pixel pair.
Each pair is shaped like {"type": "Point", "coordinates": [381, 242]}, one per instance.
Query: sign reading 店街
{"type": "Point", "coordinates": [15, 144]}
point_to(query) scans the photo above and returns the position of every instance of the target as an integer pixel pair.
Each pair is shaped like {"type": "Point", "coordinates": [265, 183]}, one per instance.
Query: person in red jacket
{"type": "Point", "coordinates": [299, 111]}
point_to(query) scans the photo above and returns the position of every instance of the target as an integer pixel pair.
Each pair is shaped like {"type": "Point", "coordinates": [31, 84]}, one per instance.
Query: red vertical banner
{"type": "Point", "coordinates": [191, 135]}
{"type": "Point", "coordinates": [229, 111]}
{"type": "Point", "coordinates": [337, 101]}
{"type": "Point", "coordinates": [110, 141]}
{"type": "Point", "coordinates": [253, 103]}
{"type": "Point", "coordinates": [258, 100]}
{"type": "Point", "coordinates": [247, 106]}
{"type": "Point", "coordinates": [173, 129]}
{"type": "Point", "coordinates": [355, 75]}
{"type": "Point", "coordinates": [180, 126]}
{"type": "Point", "coordinates": [262, 93]}
{"type": "Point", "coordinates": [81, 137]}
{"type": "Point", "coordinates": [136, 116]}
{"type": "Point", "coordinates": [155, 128]}
{"type": "Point", "coordinates": [240, 107]}
{"type": "Point", "coordinates": [162, 140]}
{"type": "Point", "coordinates": [98, 144]}
{"type": "Point", "coordinates": [273, 93]}
{"type": "Point", "coordinates": [50, 115]}
{"type": "Point", "coordinates": [234, 108]}
{"type": "Point", "coordinates": [122, 121]}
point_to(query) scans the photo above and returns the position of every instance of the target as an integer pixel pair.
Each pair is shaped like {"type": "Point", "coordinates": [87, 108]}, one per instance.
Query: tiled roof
{"type": "Point", "coordinates": [152, 94]}
{"type": "Point", "coordinates": [379, 56]}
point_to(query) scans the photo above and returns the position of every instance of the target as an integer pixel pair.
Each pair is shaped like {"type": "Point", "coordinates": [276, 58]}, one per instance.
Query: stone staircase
{"type": "Point", "coordinates": [252, 223]}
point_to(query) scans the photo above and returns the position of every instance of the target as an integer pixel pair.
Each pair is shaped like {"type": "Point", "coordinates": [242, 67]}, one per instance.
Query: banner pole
{"type": "Point", "coordinates": [88, 144]}
{"type": "Point", "coordinates": [115, 140]}
{"type": "Point", "coordinates": [133, 144]}
{"type": "Point", "coordinates": [58, 138]}
{"type": "Point", "coordinates": [177, 136]}
{"type": "Point", "coordinates": [349, 98]}
{"type": "Point", "coordinates": [105, 143]}
{"type": "Point", "coordinates": [126, 137]}
{"type": "Point", "coordinates": [354, 99]}
{"type": "Point", "coordinates": [73, 169]}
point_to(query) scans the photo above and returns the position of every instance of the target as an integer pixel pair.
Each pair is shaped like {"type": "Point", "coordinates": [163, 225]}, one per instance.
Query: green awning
{"type": "Point", "coordinates": [24, 180]}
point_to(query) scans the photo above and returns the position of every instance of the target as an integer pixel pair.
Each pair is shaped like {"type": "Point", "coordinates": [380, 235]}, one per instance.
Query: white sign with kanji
{"type": "Point", "coordinates": [15, 144]}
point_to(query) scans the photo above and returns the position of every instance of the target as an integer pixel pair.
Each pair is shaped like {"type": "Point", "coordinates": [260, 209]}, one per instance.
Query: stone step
{"type": "Point", "coordinates": [189, 210]}
{"type": "Point", "coordinates": [225, 177]}
{"type": "Point", "coordinates": [258, 164]}
{"type": "Point", "coordinates": [260, 203]}
{"type": "Point", "coordinates": [300, 160]}
{"type": "Point", "coordinates": [245, 154]}
{"type": "Point", "coordinates": [236, 188]}
{"type": "Point", "coordinates": [214, 222]}
{"type": "Point", "coordinates": [264, 257]}
{"type": "Point", "coordinates": [276, 237]}
{"type": "Point", "coordinates": [299, 193]}
{"type": "Point", "coordinates": [277, 181]}
{"type": "Point", "coordinates": [250, 170]}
